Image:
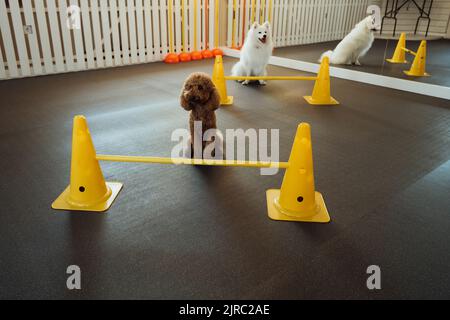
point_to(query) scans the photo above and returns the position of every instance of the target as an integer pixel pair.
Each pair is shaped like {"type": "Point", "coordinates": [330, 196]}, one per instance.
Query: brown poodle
{"type": "Point", "coordinates": [201, 98]}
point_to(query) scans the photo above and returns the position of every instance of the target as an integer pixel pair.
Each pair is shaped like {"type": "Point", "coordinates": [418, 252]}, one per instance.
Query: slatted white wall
{"type": "Point", "coordinates": [241, 14]}
{"type": "Point", "coordinates": [407, 17]}
{"type": "Point", "coordinates": [113, 33]}
{"type": "Point", "coordinates": [122, 32]}
{"type": "Point", "coordinates": [447, 36]}
{"type": "Point", "coordinates": [296, 22]}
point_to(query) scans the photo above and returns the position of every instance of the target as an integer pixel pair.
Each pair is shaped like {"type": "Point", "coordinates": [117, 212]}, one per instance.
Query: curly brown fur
{"type": "Point", "coordinates": [201, 98]}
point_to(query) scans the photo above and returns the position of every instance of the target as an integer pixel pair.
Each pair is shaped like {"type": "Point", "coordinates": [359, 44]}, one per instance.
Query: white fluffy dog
{"type": "Point", "coordinates": [255, 53]}
{"type": "Point", "coordinates": [354, 45]}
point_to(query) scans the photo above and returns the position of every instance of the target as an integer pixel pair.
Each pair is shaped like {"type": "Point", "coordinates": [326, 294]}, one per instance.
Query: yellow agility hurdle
{"type": "Point", "coordinates": [270, 78]}
{"type": "Point", "coordinates": [321, 92]}
{"type": "Point", "coordinates": [418, 66]}
{"type": "Point", "coordinates": [195, 162]}
{"type": "Point", "coordinates": [297, 199]}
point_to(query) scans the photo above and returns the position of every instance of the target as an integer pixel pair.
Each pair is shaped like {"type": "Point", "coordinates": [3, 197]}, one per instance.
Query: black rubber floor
{"type": "Point", "coordinates": [438, 59]}
{"type": "Point", "coordinates": [381, 161]}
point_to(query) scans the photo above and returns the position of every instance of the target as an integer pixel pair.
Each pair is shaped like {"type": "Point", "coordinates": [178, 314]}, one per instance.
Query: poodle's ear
{"type": "Point", "coordinates": [266, 24]}
{"type": "Point", "coordinates": [255, 25]}
{"type": "Point", "coordinates": [184, 103]}
{"type": "Point", "coordinates": [214, 99]}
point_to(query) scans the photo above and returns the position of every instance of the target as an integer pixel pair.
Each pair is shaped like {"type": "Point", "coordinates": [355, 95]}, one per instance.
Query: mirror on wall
{"type": "Point", "coordinates": [408, 37]}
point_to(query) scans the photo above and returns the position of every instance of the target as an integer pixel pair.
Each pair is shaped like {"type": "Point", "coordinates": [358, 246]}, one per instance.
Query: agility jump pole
{"type": "Point", "coordinates": [216, 23]}
{"type": "Point", "coordinates": [244, 22]}
{"type": "Point", "coordinates": [206, 52]}
{"type": "Point", "coordinates": [321, 94]}
{"type": "Point", "coordinates": [216, 51]}
{"type": "Point", "coordinates": [261, 11]}
{"type": "Point", "coordinates": [196, 162]}
{"type": "Point", "coordinates": [409, 51]}
{"type": "Point", "coordinates": [253, 12]}
{"type": "Point", "coordinates": [270, 11]}
{"type": "Point", "coordinates": [296, 200]}
{"type": "Point", "coordinates": [196, 55]}
{"type": "Point", "coordinates": [233, 28]}
{"type": "Point", "coordinates": [171, 57]}
{"type": "Point", "coordinates": [297, 78]}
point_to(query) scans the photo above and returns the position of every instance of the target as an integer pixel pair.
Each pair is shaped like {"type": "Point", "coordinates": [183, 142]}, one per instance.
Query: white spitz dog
{"type": "Point", "coordinates": [255, 53]}
{"type": "Point", "coordinates": [354, 45]}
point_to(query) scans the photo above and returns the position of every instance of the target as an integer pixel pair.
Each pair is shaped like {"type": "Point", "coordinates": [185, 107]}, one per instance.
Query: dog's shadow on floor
{"type": "Point", "coordinates": [252, 84]}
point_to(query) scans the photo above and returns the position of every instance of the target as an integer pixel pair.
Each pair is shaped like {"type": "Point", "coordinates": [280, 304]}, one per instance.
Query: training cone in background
{"type": "Point", "coordinates": [399, 53]}
{"type": "Point", "coordinates": [218, 77]}
{"type": "Point", "coordinates": [321, 92]}
{"type": "Point", "coordinates": [88, 190]}
{"type": "Point", "coordinates": [297, 199]}
{"type": "Point", "coordinates": [418, 65]}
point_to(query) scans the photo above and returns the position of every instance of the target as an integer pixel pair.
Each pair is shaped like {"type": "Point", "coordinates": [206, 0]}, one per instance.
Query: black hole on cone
{"type": "Point", "coordinates": [82, 189]}
{"type": "Point", "coordinates": [300, 199]}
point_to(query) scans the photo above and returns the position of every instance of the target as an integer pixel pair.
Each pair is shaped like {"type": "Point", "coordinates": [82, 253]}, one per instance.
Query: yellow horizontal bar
{"type": "Point", "coordinates": [198, 162]}
{"type": "Point", "coordinates": [270, 78]}
{"type": "Point", "coordinates": [409, 51]}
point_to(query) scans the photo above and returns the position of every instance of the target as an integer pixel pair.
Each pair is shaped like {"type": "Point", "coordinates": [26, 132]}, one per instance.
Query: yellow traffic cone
{"type": "Point", "coordinates": [418, 65]}
{"type": "Point", "coordinates": [297, 200]}
{"type": "Point", "coordinates": [88, 190]}
{"type": "Point", "coordinates": [218, 78]}
{"type": "Point", "coordinates": [399, 53]}
{"type": "Point", "coordinates": [321, 92]}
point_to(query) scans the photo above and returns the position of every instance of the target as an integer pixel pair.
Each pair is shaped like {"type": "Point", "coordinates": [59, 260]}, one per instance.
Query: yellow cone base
{"type": "Point", "coordinates": [275, 213]}
{"type": "Point", "coordinates": [62, 204]}
{"type": "Point", "coordinates": [228, 101]}
{"type": "Point", "coordinates": [412, 74]}
{"type": "Point", "coordinates": [312, 101]}
{"type": "Point", "coordinates": [395, 61]}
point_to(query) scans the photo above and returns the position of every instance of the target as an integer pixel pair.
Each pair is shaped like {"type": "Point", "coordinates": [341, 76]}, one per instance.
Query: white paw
{"type": "Point", "coordinates": [262, 82]}
{"type": "Point", "coordinates": [357, 63]}
{"type": "Point", "coordinates": [246, 82]}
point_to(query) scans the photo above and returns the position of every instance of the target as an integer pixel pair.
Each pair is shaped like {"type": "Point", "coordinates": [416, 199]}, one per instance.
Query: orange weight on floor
{"type": "Point", "coordinates": [196, 55]}
{"type": "Point", "coordinates": [172, 58]}
{"type": "Point", "coordinates": [217, 52]}
{"type": "Point", "coordinates": [184, 57]}
{"type": "Point", "coordinates": [207, 54]}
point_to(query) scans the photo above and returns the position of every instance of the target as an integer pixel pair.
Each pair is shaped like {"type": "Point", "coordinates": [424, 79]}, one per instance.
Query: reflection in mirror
{"type": "Point", "coordinates": [305, 31]}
